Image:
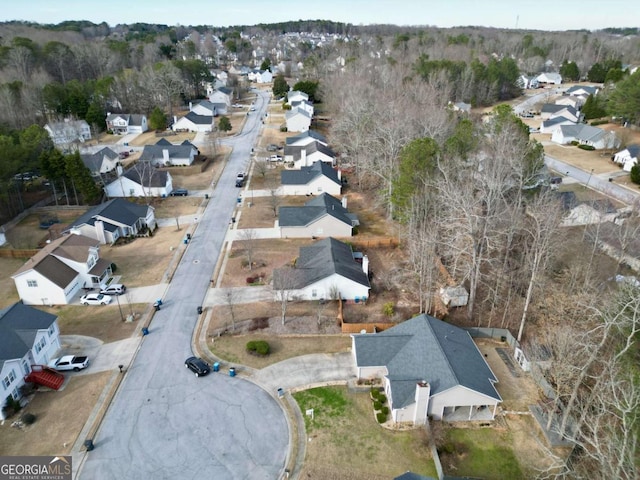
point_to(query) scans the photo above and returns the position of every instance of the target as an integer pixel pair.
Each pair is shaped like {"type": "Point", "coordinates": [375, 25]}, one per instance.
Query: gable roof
{"type": "Point", "coordinates": [317, 207]}
{"type": "Point", "coordinates": [198, 119]}
{"type": "Point", "coordinates": [19, 325]}
{"type": "Point", "coordinates": [225, 90]}
{"type": "Point", "coordinates": [632, 149]}
{"type": "Point", "coordinates": [554, 108]}
{"type": "Point", "coordinates": [296, 93]}
{"type": "Point", "coordinates": [321, 260]}
{"type": "Point", "coordinates": [94, 161]}
{"type": "Point", "coordinates": [295, 112]}
{"type": "Point", "coordinates": [155, 152]}
{"type": "Point", "coordinates": [426, 349]}
{"type": "Point", "coordinates": [296, 150]}
{"type": "Point", "coordinates": [577, 89]}
{"type": "Point", "coordinates": [117, 210]}
{"type": "Point", "coordinates": [556, 121]}
{"type": "Point", "coordinates": [307, 174]}
{"type": "Point", "coordinates": [583, 132]}
{"type": "Point", "coordinates": [152, 177]}
{"type": "Point", "coordinates": [309, 133]}
{"type": "Point", "coordinates": [206, 104]}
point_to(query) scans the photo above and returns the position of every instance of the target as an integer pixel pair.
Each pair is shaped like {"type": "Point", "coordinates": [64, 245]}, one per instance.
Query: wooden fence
{"type": "Point", "coordinates": [12, 253]}
{"type": "Point", "coordinates": [373, 242]}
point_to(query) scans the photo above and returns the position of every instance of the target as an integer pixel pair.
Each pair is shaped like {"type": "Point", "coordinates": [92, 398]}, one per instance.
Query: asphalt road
{"type": "Point", "coordinates": [166, 423]}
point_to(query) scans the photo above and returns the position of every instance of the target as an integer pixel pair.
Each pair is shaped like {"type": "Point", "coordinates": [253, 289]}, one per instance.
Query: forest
{"type": "Point", "coordinates": [460, 190]}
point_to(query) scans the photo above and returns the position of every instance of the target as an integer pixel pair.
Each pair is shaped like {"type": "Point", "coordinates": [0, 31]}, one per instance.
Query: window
{"type": "Point", "coordinates": [52, 330]}
{"type": "Point", "coordinates": [25, 367]}
{"type": "Point", "coordinates": [40, 345]}
{"type": "Point", "coordinates": [32, 283]}
{"type": "Point", "coordinates": [8, 380]}
{"type": "Point", "coordinates": [314, 293]}
{"type": "Point", "coordinates": [15, 394]}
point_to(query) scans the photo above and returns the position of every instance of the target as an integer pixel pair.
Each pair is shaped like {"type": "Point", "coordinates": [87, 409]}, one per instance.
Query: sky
{"type": "Point", "coordinates": [522, 14]}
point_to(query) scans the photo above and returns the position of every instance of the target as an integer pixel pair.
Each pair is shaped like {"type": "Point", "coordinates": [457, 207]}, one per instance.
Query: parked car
{"type": "Point", "coordinates": [95, 299]}
{"type": "Point", "coordinates": [272, 147]}
{"type": "Point", "coordinates": [114, 289]}
{"type": "Point", "coordinates": [236, 105]}
{"type": "Point", "coordinates": [240, 178]}
{"type": "Point", "coordinates": [275, 158]}
{"type": "Point", "coordinates": [253, 109]}
{"type": "Point", "coordinates": [69, 362]}
{"type": "Point", "coordinates": [179, 192]}
{"type": "Point", "coordinates": [198, 366]}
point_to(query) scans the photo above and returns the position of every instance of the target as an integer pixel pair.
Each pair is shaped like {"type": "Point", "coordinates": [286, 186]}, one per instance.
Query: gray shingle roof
{"type": "Point", "coordinates": [583, 132]}
{"type": "Point", "coordinates": [309, 133]}
{"type": "Point", "coordinates": [426, 349]}
{"type": "Point", "coordinates": [553, 108]}
{"type": "Point", "coordinates": [307, 174]}
{"type": "Point", "coordinates": [117, 210]}
{"type": "Point", "coordinates": [321, 260]}
{"type": "Point", "coordinates": [199, 119]}
{"type": "Point", "coordinates": [555, 121]}
{"type": "Point", "coordinates": [296, 150]}
{"type": "Point", "coordinates": [158, 177]}
{"type": "Point", "coordinates": [94, 161]}
{"type": "Point", "coordinates": [18, 327]}
{"type": "Point", "coordinates": [590, 90]}
{"type": "Point", "coordinates": [314, 209]}
{"type": "Point", "coordinates": [296, 111]}
{"type": "Point", "coordinates": [155, 152]}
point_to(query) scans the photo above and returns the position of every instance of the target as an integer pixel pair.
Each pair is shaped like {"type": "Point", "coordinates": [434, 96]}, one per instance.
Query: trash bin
{"type": "Point", "coordinates": [88, 445]}
{"type": "Point", "coordinates": [206, 195]}
{"type": "Point", "coordinates": [232, 372]}
{"type": "Point", "coordinates": [199, 310]}
{"type": "Point", "coordinates": [156, 306]}
{"type": "Point", "coordinates": [188, 236]}
{"type": "Point", "coordinates": [185, 241]}
{"type": "Point", "coordinates": [159, 301]}
{"type": "Point", "coordinates": [216, 367]}
{"type": "Point", "coordinates": [239, 200]}
{"type": "Point", "coordinates": [280, 392]}
{"type": "Point", "coordinates": [145, 331]}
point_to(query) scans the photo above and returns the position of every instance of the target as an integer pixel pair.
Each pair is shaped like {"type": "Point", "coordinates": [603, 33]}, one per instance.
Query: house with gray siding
{"type": "Point", "coordinates": [322, 216]}
{"type": "Point", "coordinates": [319, 178]}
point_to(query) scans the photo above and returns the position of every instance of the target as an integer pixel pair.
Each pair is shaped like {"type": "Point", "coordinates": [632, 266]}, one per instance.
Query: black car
{"type": "Point", "coordinates": [179, 192]}
{"type": "Point", "coordinates": [198, 366]}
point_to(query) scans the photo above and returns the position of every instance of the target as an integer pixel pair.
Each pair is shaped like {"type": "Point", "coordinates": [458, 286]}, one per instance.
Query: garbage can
{"type": "Point", "coordinates": [156, 306]}
{"type": "Point", "coordinates": [88, 445]}
{"type": "Point", "coordinates": [145, 331]}
{"type": "Point", "coordinates": [232, 372]}
{"type": "Point", "coordinates": [199, 310]}
{"type": "Point", "coordinates": [159, 301]}
{"type": "Point", "coordinates": [188, 236]}
{"type": "Point", "coordinates": [216, 367]}
{"type": "Point", "coordinates": [185, 241]}
{"type": "Point", "coordinates": [206, 195]}
{"type": "Point", "coordinates": [280, 392]}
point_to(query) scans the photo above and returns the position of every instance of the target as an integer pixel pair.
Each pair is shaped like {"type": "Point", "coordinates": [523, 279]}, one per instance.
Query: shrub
{"type": "Point", "coordinates": [375, 392]}
{"type": "Point", "coordinates": [28, 418]}
{"type": "Point", "coordinates": [634, 175]}
{"type": "Point", "coordinates": [586, 147]}
{"type": "Point", "coordinates": [283, 129]}
{"type": "Point", "coordinates": [11, 406]}
{"type": "Point", "coordinates": [258, 323]}
{"type": "Point", "coordinates": [387, 309]}
{"type": "Point", "coordinates": [113, 268]}
{"type": "Point", "coordinates": [574, 143]}
{"type": "Point", "coordinates": [385, 410]}
{"type": "Point", "coordinates": [377, 405]}
{"type": "Point", "coordinates": [382, 398]}
{"type": "Point", "coordinates": [381, 417]}
{"type": "Point", "coordinates": [258, 347]}
{"type": "Point", "coordinates": [599, 122]}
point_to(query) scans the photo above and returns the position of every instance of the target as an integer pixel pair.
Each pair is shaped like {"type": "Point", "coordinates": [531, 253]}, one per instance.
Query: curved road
{"type": "Point", "coordinates": [166, 423]}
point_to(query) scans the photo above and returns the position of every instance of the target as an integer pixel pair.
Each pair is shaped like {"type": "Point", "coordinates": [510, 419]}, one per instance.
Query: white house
{"type": "Point", "coordinates": [324, 270]}
{"type": "Point", "coordinates": [192, 122]}
{"type": "Point", "coordinates": [551, 110]}
{"type": "Point", "coordinates": [318, 178]}
{"type": "Point", "coordinates": [297, 120]}
{"type": "Point", "coordinates": [305, 138]}
{"type": "Point", "coordinates": [68, 132]}
{"type": "Point", "coordinates": [304, 105]}
{"type": "Point", "coordinates": [141, 182]}
{"type": "Point", "coordinates": [222, 95]}
{"type": "Point", "coordinates": [550, 78]}
{"type": "Point", "coordinates": [103, 161]}
{"type": "Point", "coordinates": [574, 102]}
{"type": "Point", "coordinates": [306, 155]}
{"type": "Point", "coordinates": [204, 107]}
{"type": "Point", "coordinates": [525, 81]}
{"type": "Point", "coordinates": [166, 154]}
{"type": "Point", "coordinates": [627, 157]}
{"type": "Point", "coordinates": [322, 216]}
{"type": "Point", "coordinates": [585, 135]}
{"type": "Point", "coordinates": [55, 274]}
{"type": "Point", "coordinates": [582, 91]}
{"type": "Point", "coordinates": [28, 336]}
{"type": "Point", "coordinates": [126, 123]}
{"type": "Point", "coordinates": [114, 219]}
{"type": "Point", "coordinates": [428, 368]}
{"type": "Point", "coordinates": [553, 124]}
{"type": "Point", "coordinates": [260, 76]}
{"type": "Point", "coordinates": [296, 96]}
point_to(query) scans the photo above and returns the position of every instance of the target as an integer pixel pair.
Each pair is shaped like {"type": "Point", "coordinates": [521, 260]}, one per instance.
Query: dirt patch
{"type": "Point", "coordinates": [148, 269]}
{"type": "Point", "coordinates": [60, 416]}
{"type": "Point", "coordinates": [586, 160]}
{"type": "Point", "coordinates": [28, 234]}
{"type": "Point", "coordinates": [266, 175]}
{"type": "Point", "coordinates": [260, 214]}
{"type": "Point", "coordinates": [171, 207]}
{"type": "Point", "coordinates": [150, 138]}
{"type": "Point", "coordinates": [8, 266]}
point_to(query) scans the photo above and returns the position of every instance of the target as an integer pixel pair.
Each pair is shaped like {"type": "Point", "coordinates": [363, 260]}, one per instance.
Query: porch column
{"type": "Point", "coordinates": [495, 406]}
{"type": "Point", "coordinates": [470, 411]}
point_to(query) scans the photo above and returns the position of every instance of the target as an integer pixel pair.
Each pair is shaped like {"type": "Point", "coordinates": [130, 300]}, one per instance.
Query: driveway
{"type": "Point", "coordinates": [166, 423]}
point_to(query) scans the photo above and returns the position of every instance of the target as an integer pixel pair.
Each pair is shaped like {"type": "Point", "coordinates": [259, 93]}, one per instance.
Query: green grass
{"type": "Point", "coordinates": [484, 453]}
{"type": "Point", "coordinates": [329, 402]}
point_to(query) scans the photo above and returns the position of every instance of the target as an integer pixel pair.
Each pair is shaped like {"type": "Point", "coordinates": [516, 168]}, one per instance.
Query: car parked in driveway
{"type": "Point", "coordinates": [179, 192]}
{"type": "Point", "coordinates": [198, 366]}
{"type": "Point", "coordinates": [114, 289]}
{"type": "Point", "coordinates": [69, 362]}
{"type": "Point", "coordinates": [95, 299]}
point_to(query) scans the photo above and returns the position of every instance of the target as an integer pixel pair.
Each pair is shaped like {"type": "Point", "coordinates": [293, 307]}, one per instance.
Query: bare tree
{"type": "Point", "coordinates": [260, 167]}
{"type": "Point", "coordinates": [274, 199]}
{"type": "Point", "coordinates": [285, 281]}
{"type": "Point", "coordinates": [230, 300]}
{"type": "Point", "coordinates": [249, 239]}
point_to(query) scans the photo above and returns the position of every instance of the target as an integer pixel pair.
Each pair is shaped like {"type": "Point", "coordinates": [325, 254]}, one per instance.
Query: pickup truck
{"type": "Point", "coordinates": [69, 362]}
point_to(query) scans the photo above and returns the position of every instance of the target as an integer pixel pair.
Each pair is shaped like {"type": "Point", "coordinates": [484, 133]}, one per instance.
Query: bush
{"type": "Point", "coordinates": [574, 143]}
{"type": "Point", "coordinates": [375, 392]}
{"type": "Point", "coordinates": [28, 418]}
{"type": "Point", "coordinates": [113, 268]}
{"type": "Point", "coordinates": [381, 417]}
{"type": "Point", "coordinates": [599, 122]}
{"type": "Point", "coordinates": [586, 147]}
{"type": "Point", "coordinates": [385, 410]}
{"type": "Point", "coordinates": [11, 406]}
{"type": "Point", "coordinates": [387, 309]}
{"type": "Point", "coordinates": [382, 398]}
{"type": "Point", "coordinates": [634, 175]}
{"type": "Point", "coordinates": [258, 347]}
{"type": "Point", "coordinates": [259, 323]}
{"type": "Point", "coordinates": [283, 129]}
{"type": "Point", "coordinates": [377, 405]}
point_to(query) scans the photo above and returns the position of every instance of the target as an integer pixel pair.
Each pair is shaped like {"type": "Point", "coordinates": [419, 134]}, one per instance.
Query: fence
{"type": "Point", "coordinates": [373, 242]}
{"type": "Point", "coordinates": [367, 327]}
{"type": "Point", "coordinates": [11, 253]}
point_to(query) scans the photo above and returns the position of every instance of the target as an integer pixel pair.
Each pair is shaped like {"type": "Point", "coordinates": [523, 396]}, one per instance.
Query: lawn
{"type": "Point", "coordinates": [345, 441]}
{"type": "Point", "coordinates": [8, 292]}
{"type": "Point", "coordinates": [260, 214]}
{"type": "Point", "coordinates": [28, 234]}
{"type": "Point", "coordinates": [483, 452]}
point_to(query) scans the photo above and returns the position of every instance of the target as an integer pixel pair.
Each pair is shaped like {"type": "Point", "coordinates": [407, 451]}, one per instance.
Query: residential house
{"type": "Point", "coordinates": [320, 177]}
{"type": "Point", "coordinates": [304, 105]}
{"type": "Point", "coordinates": [586, 135]}
{"type": "Point", "coordinates": [166, 154]}
{"type": "Point", "coordinates": [581, 91]}
{"type": "Point", "coordinates": [297, 120]}
{"type": "Point", "coordinates": [574, 102]}
{"type": "Point", "coordinates": [296, 96]}
{"type": "Point", "coordinates": [103, 161]}
{"type": "Point", "coordinates": [627, 157]}
{"type": "Point", "coordinates": [305, 138]}
{"type": "Point", "coordinates": [526, 82]}
{"type": "Point", "coordinates": [553, 124]}
{"type": "Point", "coordinates": [192, 122]}
{"type": "Point", "coordinates": [428, 368]}
{"type": "Point", "coordinates": [551, 110]}
{"type": "Point", "coordinates": [461, 107]}
{"type": "Point", "coordinates": [550, 78]}
{"type": "Point", "coordinates": [141, 181]}
{"type": "Point", "coordinates": [306, 155]}
{"type": "Point", "coordinates": [260, 76]}
{"type": "Point", "coordinates": [55, 274]}
{"type": "Point", "coordinates": [222, 95]}
{"type": "Point", "coordinates": [204, 107]}
{"type": "Point", "coordinates": [28, 336]}
{"type": "Point", "coordinates": [322, 216]}
{"type": "Point", "coordinates": [68, 132]}
{"type": "Point", "coordinates": [114, 219]}
{"type": "Point", "coordinates": [126, 123]}
{"type": "Point", "coordinates": [324, 270]}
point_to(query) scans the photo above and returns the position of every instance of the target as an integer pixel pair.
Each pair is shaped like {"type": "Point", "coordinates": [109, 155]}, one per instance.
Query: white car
{"type": "Point", "coordinates": [69, 362]}
{"type": "Point", "coordinates": [236, 105]}
{"type": "Point", "coordinates": [114, 289]}
{"type": "Point", "coordinates": [95, 299]}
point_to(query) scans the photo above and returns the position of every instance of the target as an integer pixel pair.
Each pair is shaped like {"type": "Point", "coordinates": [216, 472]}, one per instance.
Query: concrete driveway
{"type": "Point", "coordinates": [166, 423]}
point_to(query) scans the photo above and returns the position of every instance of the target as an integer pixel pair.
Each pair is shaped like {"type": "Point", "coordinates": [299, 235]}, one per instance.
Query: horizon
{"type": "Point", "coordinates": [543, 15]}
